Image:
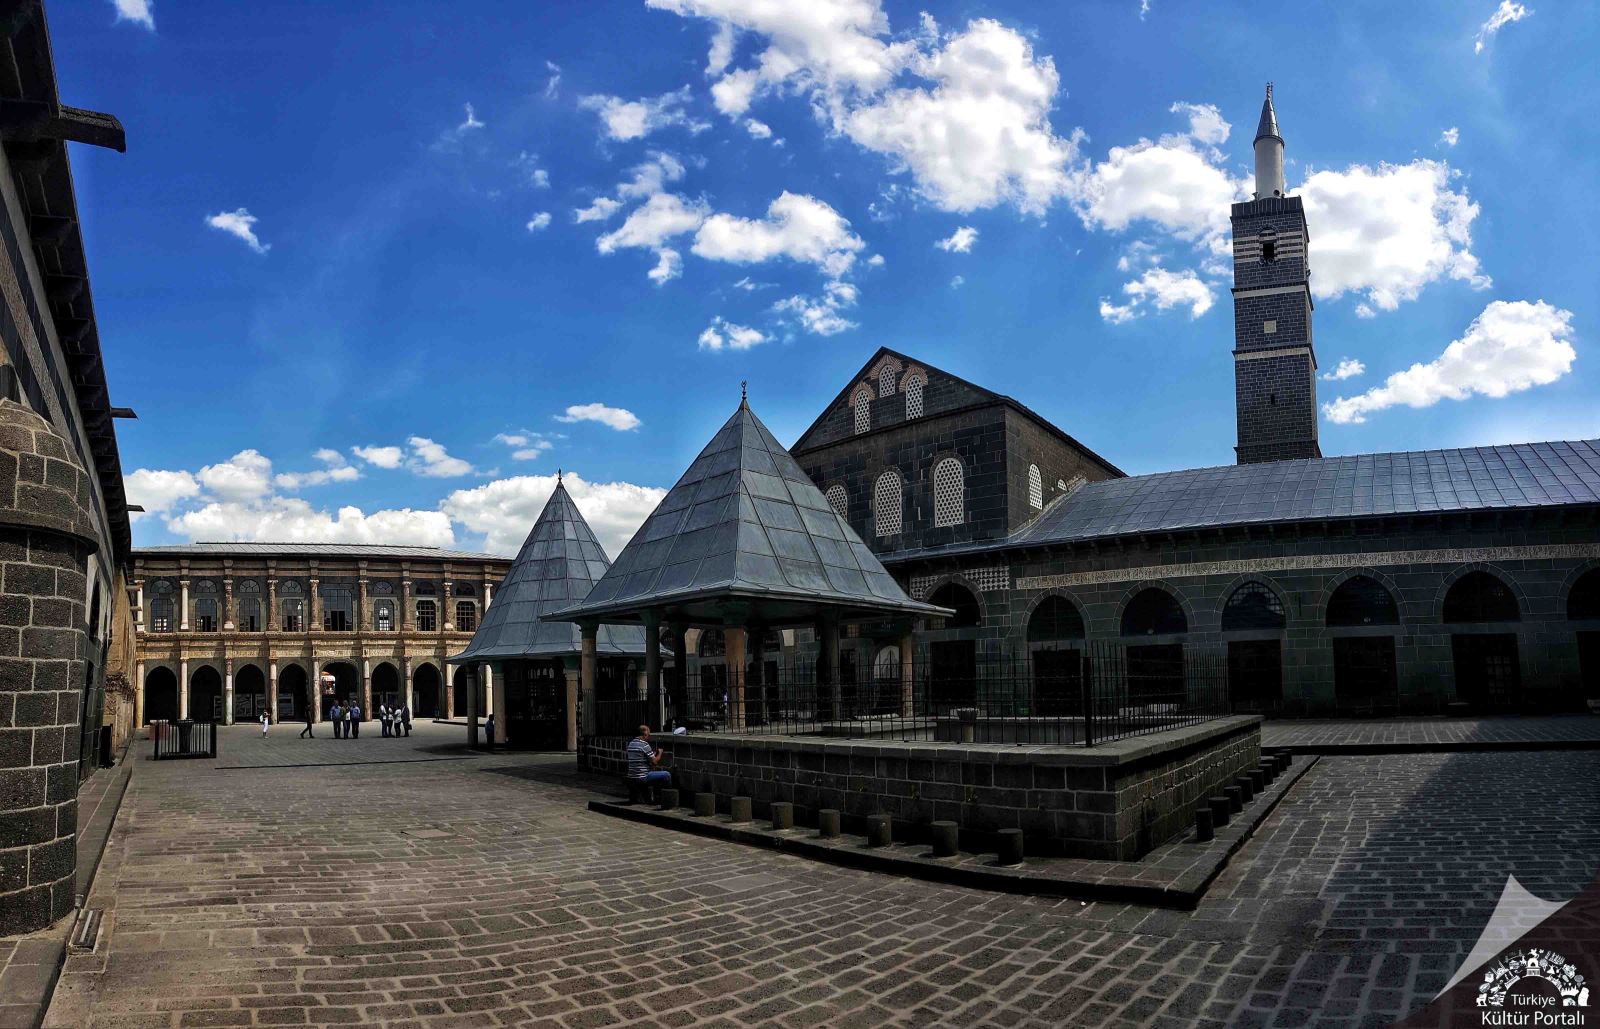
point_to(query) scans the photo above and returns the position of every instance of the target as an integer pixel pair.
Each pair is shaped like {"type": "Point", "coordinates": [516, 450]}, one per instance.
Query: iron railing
{"type": "Point", "coordinates": [1069, 696]}
{"type": "Point", "coordinates": [184, 739]}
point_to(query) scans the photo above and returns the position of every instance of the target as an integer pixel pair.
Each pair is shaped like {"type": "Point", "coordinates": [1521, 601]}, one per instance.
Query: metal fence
{"type": "Point", "coordinates": [183, 739]}
{"type": "Point", "coordinates": [1070, 696]}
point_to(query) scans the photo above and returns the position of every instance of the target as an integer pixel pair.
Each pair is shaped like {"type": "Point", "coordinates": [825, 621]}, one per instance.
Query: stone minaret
{"type": "Point", "coordinates": [1274, 368]}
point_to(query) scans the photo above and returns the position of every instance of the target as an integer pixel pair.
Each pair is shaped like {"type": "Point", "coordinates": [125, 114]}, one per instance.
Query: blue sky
{"type": "Point", "coordinates": [347, 305]}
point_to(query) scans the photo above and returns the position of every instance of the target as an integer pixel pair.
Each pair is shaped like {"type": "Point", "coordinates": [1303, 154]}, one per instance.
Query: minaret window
{"type": "Point", "coordinates": [1269, 251]}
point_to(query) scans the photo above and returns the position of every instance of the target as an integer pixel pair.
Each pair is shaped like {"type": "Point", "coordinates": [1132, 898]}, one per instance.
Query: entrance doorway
{"type": "Point", "coordinates": [346, 686]}
{"type": "Point", "coordinates": [536, 705]}
{"type": "Point", "coordinates": [952, 675]}
{"type": "Point", "coordinates": [160, 696]}
{"type": "Point", "coordinates": [386, 686]}
{"type": "Point", "coordinates": [249, 694]}
{"type": "Point", "coordinates": [205, 695]}
{"type": "Point", "coordinates": [1364, 678]}
{"type": "Point", "coordinates": [425, 692]}
{"type": "Point", "coordinates": [1488, 676]}
{"type": "Point", "coordinates": [1255, 675]}
{"type": "Point", "coordinates": [292, 696]}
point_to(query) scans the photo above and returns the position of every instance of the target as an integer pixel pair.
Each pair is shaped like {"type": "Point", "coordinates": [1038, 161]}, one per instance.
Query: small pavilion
{"type": "Point", "coordinates": [745, 543]}
{"type": "Point", "coordinates": [535, 663]}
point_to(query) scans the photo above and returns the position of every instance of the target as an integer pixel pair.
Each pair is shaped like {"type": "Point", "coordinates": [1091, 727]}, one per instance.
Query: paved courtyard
{"type": "Point", "coordinates": [331, 882]}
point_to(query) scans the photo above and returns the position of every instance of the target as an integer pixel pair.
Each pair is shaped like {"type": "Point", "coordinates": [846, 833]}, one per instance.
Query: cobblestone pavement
{"type": "Point", "coordinates": [480, 892]}
{"type": "Point", "coordinates": [1430, 731]}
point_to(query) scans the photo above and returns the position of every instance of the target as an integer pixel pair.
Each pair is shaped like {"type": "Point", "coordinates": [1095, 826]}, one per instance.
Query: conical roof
{"type": "Point", "coordinates": [1268, 126]}
{"type": "Point", "coordinates": [559, 563]}
{"type": "Point", "coordinates": [746, 535]}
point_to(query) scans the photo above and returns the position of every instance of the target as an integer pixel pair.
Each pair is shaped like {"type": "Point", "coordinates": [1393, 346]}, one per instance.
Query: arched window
{"type": "Point", "coordinates": [1361, 600]}
{"type": "Point", "coordinates": [1480, 597]}
{"type": "Point", "coordinates": [949, 493]}
{"type": "Point", "coordinates": [1253, 606]}
{"type": "Point", "coordinates": [383, 588]}
{"type": "Point", "coordinates": [888, 497]}
{"type": "Point", "coordinates": [205, 614]}
{"type": "Point", "coordinates": [862, 402]}
{"type": "Point", "coordinates": [464, 589]}
{"type": "Point", "coordinates": [427, 616]}
{"type": "Point", "coordinates": [1054, 621]}
{"type": "Point", "coordinates": [959, 599]}
{"type": "Point", "coordinates": [886, 381]}
{"type": "Point", "coordinates": [886, 666]}
{"type": "Point", "coordinates": [839, 501]}
{"type": "Point", "coordinates": [161, 614]}
{"type": "Point", "coordinates": [914, 383]}
{"type": "Point", "coordinates": [249, 614]}
{"type": "Point", "coordinates": [1153, 612]}
{"type": "Point", "coordinates": [1584, 600]}
{"type": "Point", "coordinates": [426, 589]}
{"type": "Point", "coordinates": [383, 616]}
{"type": "Point", "coordinates": [1035, 487]}
{"type": "Point", "coordinates": [249, 586]}
{"type": "Point", "coordinates": [712, 644]}
{"type": "Point", "coordinates": [466, 616]}
{"type": "Point", "coordinates": [338, 608]}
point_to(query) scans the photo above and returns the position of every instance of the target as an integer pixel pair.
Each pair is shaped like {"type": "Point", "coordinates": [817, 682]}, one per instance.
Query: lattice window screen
{"type": "Point", "coordinates": [887, 501]}
{"type": "Point", "coordinates": [989, 580]}
{"type": "Point", "coordinates": [1035, 487]}
{"type": "Point", "coordinates": [863, 406]}
{"type": "Point", "coordinates": [914, 386]}
{"type": "Point", "coordinates": [920, 585]}
{"type": "Point", "coordinates": [949, 496]}
{"type": "Point", "coordinates": [886, 380]}
{"type": "Point", "coordinates": [839, 501]}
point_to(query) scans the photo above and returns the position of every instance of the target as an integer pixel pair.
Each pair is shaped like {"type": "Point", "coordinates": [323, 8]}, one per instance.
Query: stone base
{"type": "Point", "coordinates": [1114, 800]}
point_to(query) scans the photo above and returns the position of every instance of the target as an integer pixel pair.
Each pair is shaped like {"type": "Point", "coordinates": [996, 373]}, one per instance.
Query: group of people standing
{"type": "Point", "coordinates": [346, 719]}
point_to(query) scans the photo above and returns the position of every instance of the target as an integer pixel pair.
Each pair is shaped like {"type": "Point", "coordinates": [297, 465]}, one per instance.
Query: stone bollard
{"type": "Point", "coordinates": [668, 798]}
{"type": "Point", "coordinates": [782, 815]}
{"type": "Point", "coordinates": [1235, 798]}
{"type": "Point", "coordinates": [1247, 790]}
{"type": "Point", "coordinates": [1221, 811]}
{"type": "Point", "coordinates": [1258, 780]}
{"type": "Point", "coordinates": [878, 830]}
{"type": "Point", "coordinates": [1269, 772]}
{"type": "Point", "coordinates": [828, 823]}
{"type": "Point", "coordinates": [1010, 847]}
{"type": "Point", "coordinates": [705, 805]}
{"type": "Point", "coordinates": [1285, 759]}
{"type": "Point", "coordinates": [739, 809]}
{"type": "Point", "coordinates": [946, 837]}
{"type": "Point", "coordinates": [1204, 829]}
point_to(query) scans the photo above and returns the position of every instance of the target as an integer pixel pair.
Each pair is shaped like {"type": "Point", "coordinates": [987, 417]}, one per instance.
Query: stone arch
{"type": "Point", "coordinates": [1238, 605]}
{"type": "Point", "coordinates": [1161, 611]}
{"type": "Point", "coordinates": [1039, 609]}
{"type": "Point", "coordinates": [250, 697]}
{"type": "Point", "coordinates": [160, 694]}
{"type": "Point", "coordinates": [205, 693]}
{"type": "Point", "coordinates": [386, 687]}
{"type": "Point", "coordinates": [346, 686]}
{"type": "Point", "coordinates": [427, 696]}
{"type": "Point", "coordinates": [1338, 580]}
{"type": "Point", "coordinates": [1580, 594]}
{"type": "Point", "coordinates": [294, 690]}
{"type": "Point", "coordinates": [1469, 577]}
{"type": "Point", "coordinates": [966, 585]}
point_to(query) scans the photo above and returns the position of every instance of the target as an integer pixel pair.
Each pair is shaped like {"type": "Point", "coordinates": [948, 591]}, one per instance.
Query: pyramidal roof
{"type": "Point", "coordinates": [559, 563]}
{"type": "Point", "coordinates": [745, 527]}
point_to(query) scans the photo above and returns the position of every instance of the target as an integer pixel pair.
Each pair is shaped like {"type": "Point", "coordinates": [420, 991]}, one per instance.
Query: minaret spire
{"type": "Point", "coordinates": [1269, 152]}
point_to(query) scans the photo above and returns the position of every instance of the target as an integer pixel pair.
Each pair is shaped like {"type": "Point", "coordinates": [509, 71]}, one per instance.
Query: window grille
{"type": "Point", "coordinates": [990, 580]}
{"type": "Point", "coordinates": [425, 616]}
{"type": "Point", "coordinates": [914, 384]}
{"type": "Point", "coordinates": [863, 406]}
{"type": "Point", "coordinates": [383, 588]}
{"type": "Point", "coordinates": [1253, 606]}
{"type": "Point", "coordinates": [205, 615]}
{"type": "Point", "coordinates": [293, 616]}
{"type": "Point", "coordinates": [1035, 487]}
{"type": "Point", "coordinates": [249, 615]}
{"type": "Point", "coordinates": [949, 495]}
{"type": "Point", "coordinates": [839, 501]}
{"type": "Point", "coordinates": [886, 382]}
{"type": "Point", "coordinates": [887, 500]}
{"type": "Point", "coordinates": [383, 616]}
{"type": "Point", "coordinates": [466, 616]}
{"type": "Point", "coordinates": [161, 614]}
{"type": "Point", "coordinates": [249, 586]}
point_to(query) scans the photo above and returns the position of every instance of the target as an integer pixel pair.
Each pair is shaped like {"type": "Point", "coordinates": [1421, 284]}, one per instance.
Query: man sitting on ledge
{"type": "Point", "coordinates": [643, 776]}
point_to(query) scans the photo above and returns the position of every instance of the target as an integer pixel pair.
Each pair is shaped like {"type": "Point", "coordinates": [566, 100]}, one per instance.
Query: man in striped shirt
{"type": "Point", "coordinates": [642, 761]}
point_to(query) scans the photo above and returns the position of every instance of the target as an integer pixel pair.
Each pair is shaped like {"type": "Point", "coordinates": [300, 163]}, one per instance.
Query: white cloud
{"type": "Point", "coordinates": [526, 446]}
{"type": "Point", "coordinates": [335, 469]}
{"type": "Point", "coordinates": [241, 225]}
{"type": "Point", "coordinates": [1206, 124]}
{"type": "Point", "coordinates": [503, 510]}
{"type": "Point", "coordinates": [539, 221]}
{"type": "Point", "coordinates": [528, 165]}
{"type": "Point", "coordinates": [959, 241]}
{"type": "Point", "coordinates": [1387, 232]}
{"type": "Point", "coordinates": [1450, 136]}
{"type": "Point", "coordinates": [669, 265]}
{"type": "Point", "coordinates": [1162, 289]}
{"type": "Point", "coordinates": [958, 282]}
{"type": "Point", "coordinates": [136, 11]}
{"type": "Point", "coordinates": [820, 315]}
{"type": "Point", "coordinates": [1348, 368]}
{"type": "Point", "coordinates": [658, 219]}
{"type": "Point", "coordinates": [798, 227]}
{"type": "Point", "coordinates": [635, 119]}
{"type": "Point", "coordinates": [875, 261]}
{"type": "Point", "coordinates": [617, 418]}
{"type": "Point", "coordinates": [758, 129]}
{"type": "Point", "coordinates": [601, 209]}
{"type": "Point", "coordinates": [553, 84]}
{"type": "Point", "coordinates": [244, 476]}
{"type": "Point", "coordinates": [380, 457]}
{"type": "Point", "coordinates": [431, 459]}
{"type": "Point", "coordinates": [470, 122]}
{"type": "Point", "coordinates": [157, 491]}
{"type": "Point", "coordinates": [290, 519]}
{"type": "Point", "coordinates": [1512, 346]}
{"type": "Point", "coordinates": [1175, 183]}
{"type": "Point", "coordinates": [451, 140]}
{"type": "Point", "coordinates": [722, 333]}
{"type": "Point", "coordinates": [1504, 15]}
{"type": "Point", "coordinates": [652, 176]}
{"type": "Point", "coordinates": [749, 285]}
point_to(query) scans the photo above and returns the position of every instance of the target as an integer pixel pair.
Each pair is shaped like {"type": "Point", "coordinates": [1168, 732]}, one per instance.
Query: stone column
{"type": "Point", "coordinates": [270, 621]}
{"type": "Point", "coordinates": [445, 615]}
{"type": "Point", "coordinates": [366, 688]}
{"type": "Point", "coordinates": [589, 670]}
{"type": "Point", "coordinates": [138, 624]}
{"type": "Point", "coordinates": [361, 625]}
{"type": "Point", "coordinates": [314, 690]}
{"type": "Point", "coordinates": [272, 689]}
{"type": "Point", "coordinates": [907, 683]}
{"type": "Point", "coordinates": [225, 616]}
{"type": "Point", "coordinates": [403, 619]}
{"type": "Point", "coordinates": [570, 673]}
{"type": "Point", "coordinates": [183, 689]}
{"type": "Point", "coordinates": [735, 665]}
{"type": "Point", "coordinates": [138, 700]}
{"type": "Point", "coordinates": [227, 692]}
{"type": "Point", "coordinates": [183, 612]}
{"type": "Point", "coordinates": [403, 666]}
{"type": "Point", "coordinates": [472, 709]}
{"type": "Point", "coordinates": [313, 607]}
{"type": "Point", "coordinates": [652, 668]}
{"type": "Point", "coordinates": [488, 593]}
{"type": "Point", "coordinates": [497, 702]}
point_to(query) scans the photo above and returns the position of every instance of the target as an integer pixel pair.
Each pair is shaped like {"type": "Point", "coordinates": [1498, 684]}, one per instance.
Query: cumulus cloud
{"type": "Point", "coordinates": [1450, 136]}
{"type": "Point", "coordinates": [240, 224]}
{"type": "Point", "coordinates": [1162, 290]}
{"type": "Point", "coordinates": [245, 475]}
{"type": "Point", "coordinates": [722, 334]}
{"type": "Point", "coordinates": [1348, 368]}
{"type": "Point", "coordinates": [958, 281]}
{"type": "Point", "coordinates": [959, 241]}
{"type": "Point", "coordinates": [1387, 232]}
{"type": "Point", "coordinates": [635, 119]}
{"type": "Point", "coordinates": [504, 510]}
{"type": "Point", "coordinates": [334, 469]}
{"type": "Point", "coordinates": [136, 11]}
{"type": "Point", "coordinates": [157, 491]}
{"type": "Point", "coordinates": [430, 459]}
{"type": "Point", "coordinates": [599, 210]}
{"type": "Point", "coordinates": [290, 520]}
{"type": "Point", "coordinates": [758, 129]}
{"type": "Point", "coordinates": [651, 224]}
{"type": "Point", "coordinates": [617, 418]}
{"type": "Point", "coordinates": [821, 315]}
{"type": "Point", "coordinates": [525, 445]}
{"type": "Point", "coordinates": [552, 85]}
{"type": "Point", "coordinates": [380, 457]}
{"type": "Point", "coordinates": [1512, 346]}
{"type": "Point", "coordinates": [801, 228]}
{"type": "Point", "coordinates": [1504, 15]}
{"type": "Point", "coordinates": [539, 221]}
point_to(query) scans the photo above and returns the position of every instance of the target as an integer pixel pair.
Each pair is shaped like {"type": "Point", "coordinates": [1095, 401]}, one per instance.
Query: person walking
{"type": "Point", "coordinates": [384, 718]}
{"type": "Point", "coordinates": [265, 721]}
{"type": "Point", "coordinates": [405, 718]}
{"type": "Point", "coordinates": [309, 723]}
{"type": "Point", "coordinates": [354, 713]}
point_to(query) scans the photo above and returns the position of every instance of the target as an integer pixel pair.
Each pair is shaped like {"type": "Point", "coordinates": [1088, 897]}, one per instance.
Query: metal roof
{"type": "Point", "coordinates": [1268, 126]}
{"type": "Point", "coordinates": [745, 526]}
{"type": "Point", "coordinates": [1516, 476]}
{"type": "Point", "coordinates": [357, 550]}
{"type": "Point", "coordinates": [559, 563]}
